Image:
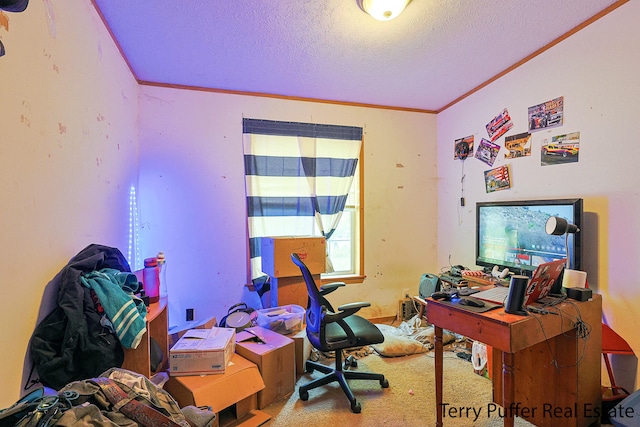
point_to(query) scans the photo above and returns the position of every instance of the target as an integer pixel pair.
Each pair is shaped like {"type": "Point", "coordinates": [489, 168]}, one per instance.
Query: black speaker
{"type": "Point", "coordinates": [517, 288]}
{"type": "Point", "coordinates": [579, 294]}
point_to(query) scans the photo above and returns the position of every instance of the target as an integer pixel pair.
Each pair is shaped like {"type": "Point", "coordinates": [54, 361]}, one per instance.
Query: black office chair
{"type": "Point", "coordinates": [331, 330]}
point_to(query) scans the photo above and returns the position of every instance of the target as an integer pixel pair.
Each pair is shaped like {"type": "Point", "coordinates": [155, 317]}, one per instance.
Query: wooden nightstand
{"type": "Point", "coordinates": [138, 360]}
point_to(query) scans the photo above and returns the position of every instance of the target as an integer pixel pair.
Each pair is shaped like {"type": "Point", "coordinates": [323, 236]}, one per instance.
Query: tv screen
{"type": "Point", "coordinates": [512, 234]}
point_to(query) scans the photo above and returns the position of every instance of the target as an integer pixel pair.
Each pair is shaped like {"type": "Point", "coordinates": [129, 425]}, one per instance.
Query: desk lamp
{"type": "Point", "coordinates": [559, 226]}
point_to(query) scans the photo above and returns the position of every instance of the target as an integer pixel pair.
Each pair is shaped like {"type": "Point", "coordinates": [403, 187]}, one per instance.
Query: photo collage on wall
{"type": "Point", "coordinates": [463, 148]}
{"type": "Point", "coordinates": [487, 151]}
{"type": "Point", "coordinates": [554, 149]}
{"type": "Point", "coordinates": [561, 149]}
{"type": "Point", "coordinates": [497, 179]}
{"type": "Point", "coordinates": [546, 115]}
{"type": "Point", "coordinates": [518, 145]}
{"type": "Point", "coordinates": [499, 125]}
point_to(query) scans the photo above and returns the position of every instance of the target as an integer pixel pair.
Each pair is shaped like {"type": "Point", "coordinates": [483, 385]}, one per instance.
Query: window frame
{"type": "Point", "coordinates": [359, 276]}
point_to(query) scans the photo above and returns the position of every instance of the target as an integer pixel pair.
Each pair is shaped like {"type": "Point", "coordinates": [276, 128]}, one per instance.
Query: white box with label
{"type": "Point", "coordinates": [202, 351]}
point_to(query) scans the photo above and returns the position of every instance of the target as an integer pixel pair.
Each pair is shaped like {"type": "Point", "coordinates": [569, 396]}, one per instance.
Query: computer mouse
{"type": "Point", "coordinates": [441, 295]}
{"type": "Point", "coordinates": [472, 302]}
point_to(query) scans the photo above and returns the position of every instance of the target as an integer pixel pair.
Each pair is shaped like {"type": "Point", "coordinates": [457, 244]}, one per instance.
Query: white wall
{"type": "Point", "coordinates": [68, 155]}
{"type": "Point", "coordinates": [596, 70]}
{"type": "Point", "coordinates": [193, 198]}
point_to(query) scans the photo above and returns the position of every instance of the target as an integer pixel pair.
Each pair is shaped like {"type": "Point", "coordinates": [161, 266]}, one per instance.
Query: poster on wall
{"type": "Point", "coordinates": [560, 149]}
{"type": "Point", "coordinates": [499, 125]}
{"type": "Point", "coordinates": [463, 148]}
{"type": "Point", "coordinates": [487, 151]}
{"type": "Point", "coordinates": [517, 145]}
{"type": "Point", "coordinates": [497, 179]}
{"type": "Point", "coordinates": [546, 115]}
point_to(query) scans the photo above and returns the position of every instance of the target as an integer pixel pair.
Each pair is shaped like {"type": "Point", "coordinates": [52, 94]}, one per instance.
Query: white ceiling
{"type": "Point", "coordinates": [434, 53]}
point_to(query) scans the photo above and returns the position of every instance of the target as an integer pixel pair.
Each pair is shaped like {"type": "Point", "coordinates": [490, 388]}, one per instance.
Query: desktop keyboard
{"type": "Point", "coordinates": [497, 294]}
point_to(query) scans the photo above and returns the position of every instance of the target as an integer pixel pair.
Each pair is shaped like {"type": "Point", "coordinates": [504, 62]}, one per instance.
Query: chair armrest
{"type": "Point", "coordinates": [353, 307]}
{"type": "Point", "coordinates": [344, 310]}
{"type": "Point", "coordinates": [330, 287]}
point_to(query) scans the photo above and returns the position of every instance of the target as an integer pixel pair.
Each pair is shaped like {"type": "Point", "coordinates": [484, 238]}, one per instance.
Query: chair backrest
{"type": "Point", "coordinates": [316, 306]}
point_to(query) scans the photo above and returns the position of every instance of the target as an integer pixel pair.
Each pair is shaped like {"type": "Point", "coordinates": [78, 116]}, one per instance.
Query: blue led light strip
{"type": "Point", "coordinates": [134, 232]}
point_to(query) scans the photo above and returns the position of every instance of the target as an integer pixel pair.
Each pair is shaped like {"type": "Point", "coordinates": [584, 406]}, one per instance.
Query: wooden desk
{"type": "Point", "coordinates": [524, 350]}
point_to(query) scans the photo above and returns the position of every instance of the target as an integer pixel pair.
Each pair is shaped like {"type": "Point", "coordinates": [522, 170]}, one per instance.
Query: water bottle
{"type": "Point", "coordinates": [151, 279]}
{"type": "Point", "coordinates": [162, 265]}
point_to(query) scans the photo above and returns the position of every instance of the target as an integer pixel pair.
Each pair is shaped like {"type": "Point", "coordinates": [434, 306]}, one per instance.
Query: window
{"type": "Point", "coordinates": [343, 248]}
{"type": "Point", "coordinates": [304, 179]}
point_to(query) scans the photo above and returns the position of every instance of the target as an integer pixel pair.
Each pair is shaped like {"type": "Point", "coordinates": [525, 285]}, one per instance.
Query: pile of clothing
{"type": "Point", "coordinates": [85, 332]}
{"type": "Point", "coordinates": [117, 398]}
{"type": "Point", "coordinates": [77, 352]}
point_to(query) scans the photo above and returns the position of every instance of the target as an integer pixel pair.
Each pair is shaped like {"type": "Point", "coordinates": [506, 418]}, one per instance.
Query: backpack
{"type": "Point", "coordinates": [23, 413]}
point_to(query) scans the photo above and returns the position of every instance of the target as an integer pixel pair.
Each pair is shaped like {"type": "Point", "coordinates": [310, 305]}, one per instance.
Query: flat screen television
{"type": "Point", "coordinates": [512, 234]}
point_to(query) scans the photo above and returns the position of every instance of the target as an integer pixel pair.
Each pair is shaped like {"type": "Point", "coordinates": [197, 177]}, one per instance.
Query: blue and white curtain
{"type": "Point", "coordinates": [298, 176]}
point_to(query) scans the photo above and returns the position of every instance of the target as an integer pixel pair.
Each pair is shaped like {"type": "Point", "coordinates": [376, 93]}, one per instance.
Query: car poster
{"type": "Point", "coordinates": [497, 179]}
{"type": "Point", "coordinates": [487, 151]}
{"type": "Point", "coordinates": [546, 115]}
{"type": "Point", "coordinates": [561, 149]}
{"type": "Point", "coordinates": [499, 125]}
{"type": "Point", "coordinates": [463, 148]}
{"type": "Point", "coordinates": [517, 145]}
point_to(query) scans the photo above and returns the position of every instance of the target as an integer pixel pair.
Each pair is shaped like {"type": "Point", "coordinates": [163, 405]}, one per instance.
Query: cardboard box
{"type": "Point", "coordinates": [303, 350]}
{"type": "Point", "coordinates": [234, 392]}
{"type": "Point", "coordinates": [276, 255]}
{"type": "Point", "coordinates": [202, 351]}
{"type": "Point", "coordinates": [176, 332]}
{"type": "Point", "coordinates": [275, 358]}
{"type": "Point", "coordinates": [289, 290]}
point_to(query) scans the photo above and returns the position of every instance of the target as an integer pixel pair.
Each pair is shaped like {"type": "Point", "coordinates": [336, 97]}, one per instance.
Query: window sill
{"type": "Point", "coordinates": [345, 279]}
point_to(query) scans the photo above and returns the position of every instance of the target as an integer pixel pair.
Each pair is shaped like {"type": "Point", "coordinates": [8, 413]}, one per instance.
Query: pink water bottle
{"type": "Point", "coordinates": [151, 279]}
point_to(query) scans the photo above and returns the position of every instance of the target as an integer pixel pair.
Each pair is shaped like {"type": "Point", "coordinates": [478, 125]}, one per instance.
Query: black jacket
{"type": "Point", "coordinates": [70, 344]}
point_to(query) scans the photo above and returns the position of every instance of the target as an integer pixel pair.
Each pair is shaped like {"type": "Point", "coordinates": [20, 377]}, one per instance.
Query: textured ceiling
{"type": "Point", "coordinates": [434, 53]}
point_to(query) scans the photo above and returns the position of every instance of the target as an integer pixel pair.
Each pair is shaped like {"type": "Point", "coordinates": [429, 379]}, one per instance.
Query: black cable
{"type": "Point", "coordinates": [581, 328]}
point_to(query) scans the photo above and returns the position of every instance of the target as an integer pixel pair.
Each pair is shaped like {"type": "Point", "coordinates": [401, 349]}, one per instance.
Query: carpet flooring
{"type": "Point", "coordinates": [409, 401]}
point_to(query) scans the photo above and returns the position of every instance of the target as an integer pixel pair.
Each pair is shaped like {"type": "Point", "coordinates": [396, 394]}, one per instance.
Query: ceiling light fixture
{"type": "Point", "coordinates": [383, 10]}
{"type": "Point", "coordinates": [14, 5]}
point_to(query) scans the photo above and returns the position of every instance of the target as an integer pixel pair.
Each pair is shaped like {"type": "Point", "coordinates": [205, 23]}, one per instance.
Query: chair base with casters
{"type": "Point", "coordinates": [341, 376]}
